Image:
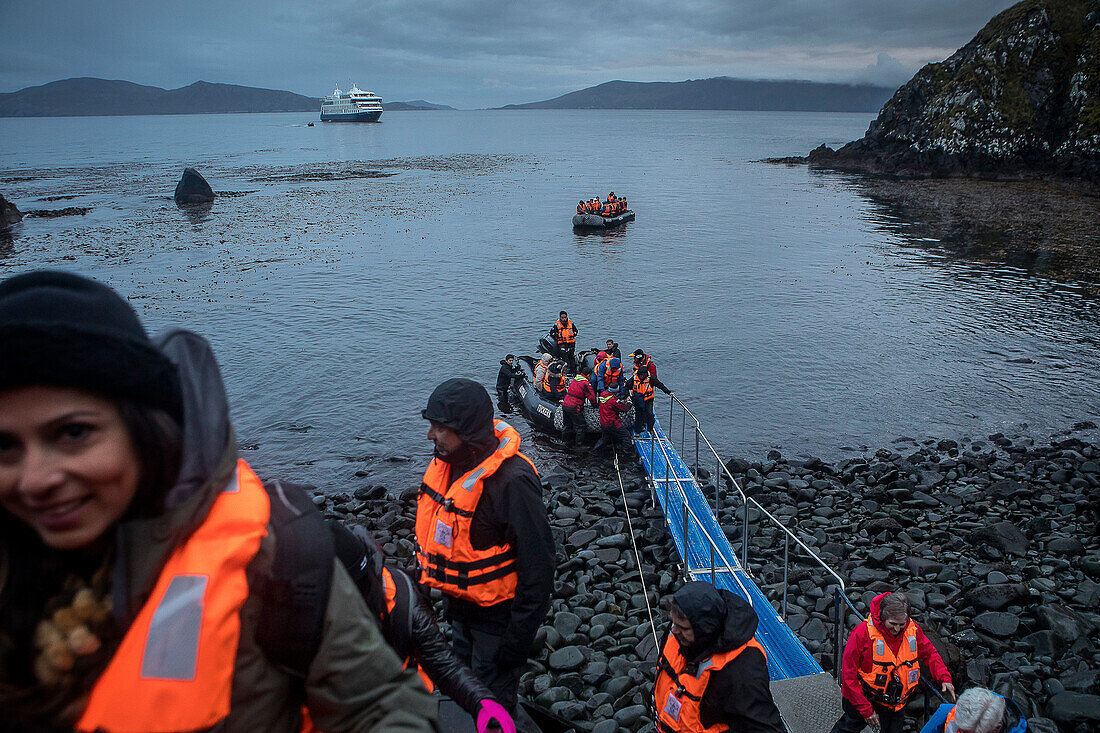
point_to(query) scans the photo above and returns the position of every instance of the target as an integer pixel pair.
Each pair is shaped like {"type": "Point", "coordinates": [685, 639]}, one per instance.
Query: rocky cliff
{"type": "Point", "coordinates": [1022, 99]}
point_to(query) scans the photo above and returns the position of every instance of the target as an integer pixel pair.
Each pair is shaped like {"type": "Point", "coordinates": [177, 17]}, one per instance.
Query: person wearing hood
{"type": "Point", "coordinates": [483, 536]}
{"type": "Point", "coordinates": [578, 391]}
{"type": "Point", "coordinates": [540, 370]}
{"type": "Point", "coordinates": [977, 710]}
{"type": "Point", "coordinates": [712, 674]}
{"type": "Point", "coordinates": [508, 373]}
{"type": "Point", "coordinates": [880, 668]}
{"type": "Point", "coordinates": [610, 377]}
{"type": "Point", "coordinates": [611, 424]}
{"type": "Point", "coordinates": [137, 549]}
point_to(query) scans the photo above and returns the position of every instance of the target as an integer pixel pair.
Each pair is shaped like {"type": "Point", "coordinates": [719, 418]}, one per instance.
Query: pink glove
{"type": "Point", "coordinates": [492, 711]}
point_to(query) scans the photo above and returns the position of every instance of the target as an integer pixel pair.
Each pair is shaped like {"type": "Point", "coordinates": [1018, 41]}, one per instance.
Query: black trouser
{"type": "Point", "coordinates": [852, 722]}
{"type": "Point", "coordinates": [476, 644]}
{"type": "Point", "coordinates": [502, 394]}
{"type": "Point", "coordinates": [644, 419]}
{"type": "Point", "coordinates": [574, 425]}
{"type": "Point", "coordinates": [616, 437]}
{"type": "Point", "coordinates": [567, 353]}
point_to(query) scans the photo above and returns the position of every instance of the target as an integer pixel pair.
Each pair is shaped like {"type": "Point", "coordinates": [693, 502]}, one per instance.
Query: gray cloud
{"type": "Point", "coordinates": [480, 52]}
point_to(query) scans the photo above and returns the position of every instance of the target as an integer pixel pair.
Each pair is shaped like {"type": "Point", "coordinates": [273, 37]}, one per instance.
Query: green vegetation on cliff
{"type": "Point", "coordinates": [1019, 99]}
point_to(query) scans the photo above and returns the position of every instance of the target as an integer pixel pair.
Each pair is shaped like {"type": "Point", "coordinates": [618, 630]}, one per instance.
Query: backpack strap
{"type": "Point", "coordinates": [359, 552]}
{"type": "Point", "coordinates": [399, 633]}
{"type": "Point", "coordinates": [295, 591]}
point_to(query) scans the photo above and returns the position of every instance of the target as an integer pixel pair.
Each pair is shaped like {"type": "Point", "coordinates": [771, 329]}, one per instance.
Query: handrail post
{"type": "Point", "coordinates": [717, 485]}
{"type": "Point", "coordinates": [786, 545]}
{"type": "Point", "coordinates": [684, 505]}
{"type": "Point", "coordinates": [697, 453]}
{"type": "Point", "coordinates": [712, 567]}
{"type": "Point", "coordinates": [836, 640]}
{"type": "Point", "coordinates": [745, 538]}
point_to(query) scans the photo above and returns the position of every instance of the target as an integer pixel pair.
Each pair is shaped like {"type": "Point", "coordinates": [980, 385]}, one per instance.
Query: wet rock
{"type": "Point", "coordinates": [1005, 536]}
{"type": "Point", "coordinates": [997, 596]}
{"type": "Point", "coordinates": [1070, 708]}
{"type": "Point", "coordinates": [568, 659]}
{"type": "Point", "coordinates": [996, 623]}
{"type": "Point", "coordinates": [8, 213]}
{"type": "Point", "coordinates": [629, 715]}
{"type": "Point", "coordinates": [919, 566]}
{"type": "Point", "coordinates": [193, 189]}
{"type": "Point", "coordinates": [566, 623]}
{"type": "Point", "coordinates": [582, 537]}
{"type": "Point", "coordinates": [1066, 546]}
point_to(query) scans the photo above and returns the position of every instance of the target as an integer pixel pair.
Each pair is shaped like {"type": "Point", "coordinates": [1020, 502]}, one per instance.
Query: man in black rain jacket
{"type": "Point", "coordinates": [494, 641]}
{"type": "Point", "coordinates": [737, 695]}
{"type": "Point", "coordinates": [508, 373]}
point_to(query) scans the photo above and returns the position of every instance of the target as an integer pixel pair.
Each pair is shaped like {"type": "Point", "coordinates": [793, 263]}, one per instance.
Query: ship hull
{"type": "Point", "coordinates": [371, 116]}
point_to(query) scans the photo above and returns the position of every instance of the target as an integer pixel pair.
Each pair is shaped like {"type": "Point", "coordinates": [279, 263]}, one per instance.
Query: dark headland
{"type": "Point", "coordinates": [1019, 101]}
{"type": "Point", "coordinates": [721, 93]}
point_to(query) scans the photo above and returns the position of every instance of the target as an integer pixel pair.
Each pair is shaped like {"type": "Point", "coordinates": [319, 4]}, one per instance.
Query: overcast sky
{"type": "Point", "coordinates": [477, 53]}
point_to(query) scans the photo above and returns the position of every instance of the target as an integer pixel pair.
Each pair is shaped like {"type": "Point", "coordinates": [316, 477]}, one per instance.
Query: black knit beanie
{"type": "Point", "coordinates": [64, 330]}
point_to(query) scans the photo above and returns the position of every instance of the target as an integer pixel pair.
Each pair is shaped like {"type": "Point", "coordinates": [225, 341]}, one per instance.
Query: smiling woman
{"type": "Point", "coordinates": [131, 537]}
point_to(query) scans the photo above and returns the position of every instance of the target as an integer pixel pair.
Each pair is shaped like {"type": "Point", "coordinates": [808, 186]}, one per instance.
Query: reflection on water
{"type": "Point", "coordinates": [1043, 228]}
{"type": "Point", "coordinates": [361, 266]}
{"type": "Point", "coordinates": [197, 213]}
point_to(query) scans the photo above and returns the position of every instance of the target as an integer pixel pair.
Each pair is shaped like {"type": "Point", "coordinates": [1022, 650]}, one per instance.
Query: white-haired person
{"type": "Point", "coordinates": [978, 710]}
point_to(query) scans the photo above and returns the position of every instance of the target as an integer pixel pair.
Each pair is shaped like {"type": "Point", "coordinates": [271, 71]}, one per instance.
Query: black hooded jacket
{"type": "Point", "coordinates": [507, 373]}
{"type": "Point", "coordinates": [739, 694]}
{"type": "Point", "coordinates": [510, 510]}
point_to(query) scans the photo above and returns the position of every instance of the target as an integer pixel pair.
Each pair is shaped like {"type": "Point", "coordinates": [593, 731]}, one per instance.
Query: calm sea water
{"type": "Point", "coordinates": [358, 266]}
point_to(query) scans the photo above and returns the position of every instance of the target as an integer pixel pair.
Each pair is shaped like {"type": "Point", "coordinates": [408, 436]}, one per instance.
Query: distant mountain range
{"type": "Point", "coordinates": [721, 93]}
{"type": "Point", "coordinates": [88, 96]}
{"type": "Point", "coordinates": [416, 104]}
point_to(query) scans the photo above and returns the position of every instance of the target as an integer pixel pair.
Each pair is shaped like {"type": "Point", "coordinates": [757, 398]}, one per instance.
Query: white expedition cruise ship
{"type": "Point", "coordinates": [351, 106]}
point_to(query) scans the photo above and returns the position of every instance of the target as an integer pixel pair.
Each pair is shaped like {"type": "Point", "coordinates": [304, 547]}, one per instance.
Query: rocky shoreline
{"type": "Point", "coordinates": [994, 540]}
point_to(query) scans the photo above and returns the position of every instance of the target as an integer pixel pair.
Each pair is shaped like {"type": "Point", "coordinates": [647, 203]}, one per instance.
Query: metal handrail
{"type": "Point", "coordinates": [746, 500]}
{"type": "Point", "coordinates": [689, 511]}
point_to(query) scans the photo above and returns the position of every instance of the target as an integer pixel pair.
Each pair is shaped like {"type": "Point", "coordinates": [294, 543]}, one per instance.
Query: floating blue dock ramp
{"type": "Point", "coordinates": [808, 698]}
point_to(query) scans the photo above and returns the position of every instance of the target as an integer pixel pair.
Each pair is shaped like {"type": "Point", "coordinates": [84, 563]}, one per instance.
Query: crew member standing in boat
{"type": "Point", "coordinates": [641, 386]}
{"type": "Point", "coordinates": [565, 336]}
{"type": "Point", "coordinates": [507, 374]}
{"type": "Point", "coordinates": [483, 537]}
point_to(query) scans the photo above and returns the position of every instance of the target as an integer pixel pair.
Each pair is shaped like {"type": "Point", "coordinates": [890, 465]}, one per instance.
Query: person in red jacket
{"type": "Point", "coordinates": [579, 390]}
{"type": "Point", "coordinates": [880, 668]}
{"type": "Point", "coordinates": [611, 423]}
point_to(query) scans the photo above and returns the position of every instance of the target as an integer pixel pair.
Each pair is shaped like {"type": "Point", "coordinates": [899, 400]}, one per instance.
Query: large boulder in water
{"type": "Point", "coordinates": [8, 214]}
{"type": "Point", "coordinates": [193, 188]}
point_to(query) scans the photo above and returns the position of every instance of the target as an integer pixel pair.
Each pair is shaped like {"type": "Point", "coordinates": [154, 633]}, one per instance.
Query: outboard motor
{"type": "Point", "coordinates": [547, 345]}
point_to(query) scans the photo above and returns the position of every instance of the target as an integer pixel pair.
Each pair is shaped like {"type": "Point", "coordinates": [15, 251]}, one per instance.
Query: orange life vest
{"type": "Point", "coordinates": [581, 209]}
{"type": "Point", "coordinates": [606, 209]}
{"type": "Point", "coordinates": [611, 196]}
{"type": "Point", "coordinates": [642, 385]}
{"type": "Point", "coordinates": [389, 587]}
{"type": "Point", "coordinates": [567, 332]}
{"type": "Point", "coordinates": [677, 694]}
{"type": "Point", "coordinates": [905, 667]}
{"type": "Point", "coordinates": [553, 384]}
{"type": "Point", "coordinates": [949, 724]}
{"type": "Point", "coordinates": [173, 670]}
{"type": "Point", "coordinates": [444, 515]}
